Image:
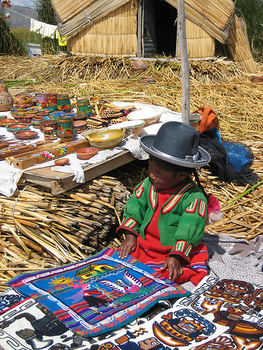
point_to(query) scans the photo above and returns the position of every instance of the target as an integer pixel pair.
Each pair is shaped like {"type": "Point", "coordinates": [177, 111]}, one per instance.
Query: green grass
{"type": "Point", "coordinates": [24, 36]}
{"type": "Point", "coordinates": [48, 45]}
{"type": "Point", "coordinates": [23, 82]}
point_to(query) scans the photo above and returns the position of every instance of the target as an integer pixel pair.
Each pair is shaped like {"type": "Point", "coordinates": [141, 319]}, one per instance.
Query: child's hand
{"type": "Point", "coordinates": [174, 266]}
{"type": "Point", "coordinates": [128, 246]}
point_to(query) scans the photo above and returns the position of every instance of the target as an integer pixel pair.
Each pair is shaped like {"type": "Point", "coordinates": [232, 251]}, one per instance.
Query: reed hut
{"type": "Point", "coordinates": [148, 28]}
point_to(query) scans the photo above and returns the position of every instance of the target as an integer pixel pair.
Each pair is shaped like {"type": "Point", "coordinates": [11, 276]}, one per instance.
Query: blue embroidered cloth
{"type": "Point", "coordinates": [99, 294]}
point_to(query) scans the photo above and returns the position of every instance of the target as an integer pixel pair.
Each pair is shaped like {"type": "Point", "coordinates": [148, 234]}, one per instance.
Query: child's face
{"type": "Point", "coordinates": [163, 178]}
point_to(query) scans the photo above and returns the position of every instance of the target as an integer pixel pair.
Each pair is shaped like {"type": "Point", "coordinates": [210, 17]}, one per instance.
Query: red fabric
{"type": "Point", "coordinates": [213, 204]}
{"type": "Point", "coordinates": [150, 252]}
{"type": "Point", "coordinates": [209, 119]}
{"type": "Point", "coordinates": [197, 269]}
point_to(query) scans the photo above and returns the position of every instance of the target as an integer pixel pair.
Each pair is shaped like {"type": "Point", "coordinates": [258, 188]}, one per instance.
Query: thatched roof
{"type": "Point", "coordinates": [76, 15]}
{"type": "Point", "coordinates": [215, 17]}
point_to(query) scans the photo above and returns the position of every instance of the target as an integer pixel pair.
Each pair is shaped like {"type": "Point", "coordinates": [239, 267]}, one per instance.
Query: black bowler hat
{"type": "Point", "coordinates": [176, 143]}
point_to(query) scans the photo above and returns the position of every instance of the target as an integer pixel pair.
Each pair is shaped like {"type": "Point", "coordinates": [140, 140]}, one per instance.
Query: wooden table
{"type": "Point", "coordinates": [59, 182]}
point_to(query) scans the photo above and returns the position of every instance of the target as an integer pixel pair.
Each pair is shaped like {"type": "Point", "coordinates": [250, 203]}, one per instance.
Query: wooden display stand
{"type": "Point", "coordinates": [59, 182]}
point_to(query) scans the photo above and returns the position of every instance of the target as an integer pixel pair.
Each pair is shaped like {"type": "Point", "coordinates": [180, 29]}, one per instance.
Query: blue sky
{"type": "Point", "coordinates": [26, 3]}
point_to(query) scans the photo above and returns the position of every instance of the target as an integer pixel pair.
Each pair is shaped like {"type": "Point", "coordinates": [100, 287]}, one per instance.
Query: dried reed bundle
{"type": "Point", "coordinates": [214, 16]}
{"type": "Point", "coordinates": [70, 228]}
{"type": "Point", "coordinates": [68, 9]}
{"type": "Point", "coordinates": [239, 48]}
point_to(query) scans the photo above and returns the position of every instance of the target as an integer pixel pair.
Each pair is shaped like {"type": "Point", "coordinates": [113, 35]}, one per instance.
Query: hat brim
{"type": "Point", "coordinates": [146, 143]}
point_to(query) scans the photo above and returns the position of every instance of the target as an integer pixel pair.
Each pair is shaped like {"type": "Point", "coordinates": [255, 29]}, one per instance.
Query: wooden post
{"type": "Point", "coordinates": [184, 62]}
{"type": "Point", "coordinates": [140, 28]}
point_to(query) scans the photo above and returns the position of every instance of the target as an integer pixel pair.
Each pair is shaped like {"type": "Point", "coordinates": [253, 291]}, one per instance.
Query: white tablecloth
{"type": "Point", "coordinates": [9, 176]}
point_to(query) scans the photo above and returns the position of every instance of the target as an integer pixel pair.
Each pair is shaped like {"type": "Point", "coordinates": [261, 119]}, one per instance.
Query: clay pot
{"type": "Point", "coordinates": [65, 127]}
{"type": "Point", "coordinates": [6, 99]}
{"type": "Point", "coordinates": [35, 122]}
{"type": "Point", "coordinates": [49, 133]}
{"type": "Point", "coordinates": [80, 125]}
{"type": "Point", "coordinates": [83, 106]}
{"type": "Point", "coordinates": [63, 103]}
{"type": "Point", "coordinates": [48, 123]}
{"type": "Point", "coordinates": [52, 100]}
{"type": "Point", "coordinates": [41, 99]}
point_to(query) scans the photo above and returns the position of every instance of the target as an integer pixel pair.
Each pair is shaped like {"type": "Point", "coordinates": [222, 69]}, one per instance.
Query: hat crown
{"type": "Point", "coordinates": [176, 143]}
{"type": "Point", "coordinates": [177, 139]}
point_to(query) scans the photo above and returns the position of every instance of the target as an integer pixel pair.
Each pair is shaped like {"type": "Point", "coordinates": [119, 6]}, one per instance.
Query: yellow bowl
{"type": "Point", "coordinates": [103, 139]}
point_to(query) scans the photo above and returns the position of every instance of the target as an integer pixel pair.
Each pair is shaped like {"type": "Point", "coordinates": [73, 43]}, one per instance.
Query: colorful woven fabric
{"type": "Point", "coordinates": [99, 294]}
{"type": "Point", "coordinates": [29, 325]}
{"type": "Point", "coordinates": [219, 314]}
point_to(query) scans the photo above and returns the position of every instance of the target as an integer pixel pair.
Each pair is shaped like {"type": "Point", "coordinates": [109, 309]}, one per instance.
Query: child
{"type": "Point", "coordinates": [164, 219]}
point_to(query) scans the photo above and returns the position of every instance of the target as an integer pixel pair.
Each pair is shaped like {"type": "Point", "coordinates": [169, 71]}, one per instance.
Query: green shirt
{"type": "Point", "coordinates": [182, 218]}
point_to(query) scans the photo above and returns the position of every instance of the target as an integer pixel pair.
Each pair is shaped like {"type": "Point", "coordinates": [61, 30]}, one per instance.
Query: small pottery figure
{"type": "Point", "coordinates": [6, 99]}
{"type": "Point", "coordinates": [49, 133]}
{"type": "Point", "coordinates": [23, 100]}
{"type": "Point", "coordinates": [61, 162]}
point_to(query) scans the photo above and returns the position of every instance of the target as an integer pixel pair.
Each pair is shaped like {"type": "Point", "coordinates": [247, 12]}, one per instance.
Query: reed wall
{"type": "Point", "coordinates": [200, 44]}
{"type": "Point", "coordinates": [114, 34]}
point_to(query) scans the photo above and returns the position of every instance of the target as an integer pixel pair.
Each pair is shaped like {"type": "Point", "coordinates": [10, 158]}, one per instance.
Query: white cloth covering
{"type": "Point", "coordinates": [45, 29]}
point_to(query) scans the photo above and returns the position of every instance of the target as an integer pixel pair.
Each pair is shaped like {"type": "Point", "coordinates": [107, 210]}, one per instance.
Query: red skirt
{"type": "Point", "coordinates": [150, 252]}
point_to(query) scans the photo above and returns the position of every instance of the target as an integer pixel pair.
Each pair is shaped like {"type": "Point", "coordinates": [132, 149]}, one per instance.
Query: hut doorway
{"type": "Point", "coordinates": [159, 28]}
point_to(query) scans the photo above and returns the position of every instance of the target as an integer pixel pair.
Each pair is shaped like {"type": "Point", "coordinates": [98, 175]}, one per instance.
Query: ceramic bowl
{"type": "Point", "coordinates": [17, 127]}
{"type": "Point", "coordinates": [26, 118]}
{"type": "Point", "coordinates": [103, 139]}
{"type": "Point", "coordinates": [7, 121]}
{"type": "Point", "coordinates": [149, 115]}
{"type": "Point", "coordinates": [80, 116]}
{"type": "Point", "coordinates": [26, 134]}
{"type": "Point", "coordinates": [56, 114]}
{"type": "Point", "coordinates": [87, 152]}
{"type": "Point", "coordinates": [61, 161]}
{"type": "Point", "coordinates": [18, 118]}
{"type": "Point", "coordinates": [130, 126]}
{"type": "Point", "coordinates": [15, 111]}
{"type": "Point", "coordinates": [43, 113]}
{"type": "Point", "coordinates": [195, 120]}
